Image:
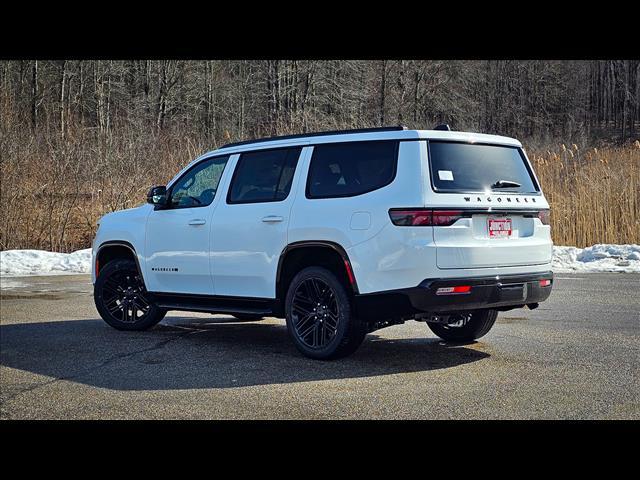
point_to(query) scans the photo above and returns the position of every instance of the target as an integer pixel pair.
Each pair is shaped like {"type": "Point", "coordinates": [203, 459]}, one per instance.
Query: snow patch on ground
{"type": "Point", "coordinates": [17, 263]}
{"type": "Point", "coordinates": [598, 258]}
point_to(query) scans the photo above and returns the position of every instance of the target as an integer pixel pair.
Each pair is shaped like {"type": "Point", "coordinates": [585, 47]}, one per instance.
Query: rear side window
{"type": "Point", "coordinates": [349, 169]}
{"type": "Point", "coordinates": [263, 176]}
{"type": "Point", "coordinates": [467, 167]}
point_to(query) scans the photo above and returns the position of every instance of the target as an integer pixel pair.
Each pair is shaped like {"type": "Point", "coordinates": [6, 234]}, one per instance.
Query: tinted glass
{"type": "Point", "coordinates": [348, 169]}
{"type": "Point", "coordinates": [197, 187]}
{"type": "Point", "coordinates": [264, 176]}
{"type": "Point", "coordinates": [475, 168]}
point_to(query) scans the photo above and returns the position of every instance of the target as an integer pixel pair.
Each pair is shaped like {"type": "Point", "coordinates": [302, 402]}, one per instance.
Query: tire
{"type": "Point", "coordinates": [247, 317]}
{"type": "Point", "coordinates": [473, 326]}
{"type": "Point", "coordinates": [332, 331]}
{"type": "Point", "coordinates": [120, 297]}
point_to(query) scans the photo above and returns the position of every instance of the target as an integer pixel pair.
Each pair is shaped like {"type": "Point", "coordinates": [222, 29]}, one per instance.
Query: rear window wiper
{"type": "Point", "coordinates": [505, 184]}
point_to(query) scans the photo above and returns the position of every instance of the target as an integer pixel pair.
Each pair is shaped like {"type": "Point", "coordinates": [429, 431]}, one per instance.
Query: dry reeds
{"type": "Point", "coordinates": [594, 193]}
{"type": "Point", "coordinates": [54, 189]}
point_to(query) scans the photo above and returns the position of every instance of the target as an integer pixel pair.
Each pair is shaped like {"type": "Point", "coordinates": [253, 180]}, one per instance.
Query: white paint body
{"type": "Point", "coordinates": [234, 249]}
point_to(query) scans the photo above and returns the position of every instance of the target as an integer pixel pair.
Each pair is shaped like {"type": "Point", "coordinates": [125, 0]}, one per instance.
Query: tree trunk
{"type": "Point", "coordinates": [34, 96]}
{"type": "Point", "coordinates": [63, 79]}
{"type": "Point", "coordinates": [383, 86]}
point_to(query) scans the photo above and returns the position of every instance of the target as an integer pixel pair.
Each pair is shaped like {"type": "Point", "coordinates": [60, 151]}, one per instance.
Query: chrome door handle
{"type": "Point", "coordinates": [272, 219]}
{"type": "Point", "coordinates": [197, 221]}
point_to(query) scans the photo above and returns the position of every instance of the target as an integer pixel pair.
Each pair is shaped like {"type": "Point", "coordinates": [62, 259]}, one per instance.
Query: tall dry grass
{"type": "Point", "coordinates": [54, 189]}
{"type": "Point", "coordinates": [594, 193]}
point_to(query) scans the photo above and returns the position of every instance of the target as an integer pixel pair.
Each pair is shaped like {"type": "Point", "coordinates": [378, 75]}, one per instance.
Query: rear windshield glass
{"type": "Point", "coordinates": [465, 167]}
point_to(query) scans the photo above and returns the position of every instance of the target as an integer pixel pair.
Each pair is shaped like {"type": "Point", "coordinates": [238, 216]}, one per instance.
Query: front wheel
{"type": "Point", "coordinates": [319, 316]}
{"type": "Point", "coordinates": [121, 298]}
{"type": "Point", "coordinates": [465, 327]}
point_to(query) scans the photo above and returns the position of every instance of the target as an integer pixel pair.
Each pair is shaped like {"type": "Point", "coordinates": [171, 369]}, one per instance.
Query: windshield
{"type": "Point", "coordinates": [467, 167]}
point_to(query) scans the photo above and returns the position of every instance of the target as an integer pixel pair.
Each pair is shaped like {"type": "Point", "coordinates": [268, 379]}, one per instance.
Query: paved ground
{"type": "Point", "coordinates": [577, 356]}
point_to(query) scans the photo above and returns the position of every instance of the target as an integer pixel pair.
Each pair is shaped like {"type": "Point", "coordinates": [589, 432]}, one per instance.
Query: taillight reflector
{"type": "Point", "coordinates": [443, 218]}
{"type": "Point", "coordinates": [425, 217]}
{"type": "Point", "coordinates": [545, 283]}
{"type": "Point", "coordinates": [408, 218]}
{"type": "Point", "coordinates": [347, 266]}
{"type": "Point", "coordinates": [453, 290]}
{"type": "Point", "coordinates": [544, 216]}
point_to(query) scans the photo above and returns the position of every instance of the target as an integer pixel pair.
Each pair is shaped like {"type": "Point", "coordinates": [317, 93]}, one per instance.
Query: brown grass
{"type": "Point", "coordinates": [594, 193]}
{"type": "Point", "coordinates": [54, 189]}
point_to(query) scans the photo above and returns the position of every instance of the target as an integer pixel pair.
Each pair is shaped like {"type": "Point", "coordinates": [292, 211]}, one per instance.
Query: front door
{"type": "Point", "coordinates": [177, 237]}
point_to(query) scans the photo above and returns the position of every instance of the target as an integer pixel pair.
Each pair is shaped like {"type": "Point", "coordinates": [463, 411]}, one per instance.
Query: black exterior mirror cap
{"type": "Point", "coordinates": [157, 195]}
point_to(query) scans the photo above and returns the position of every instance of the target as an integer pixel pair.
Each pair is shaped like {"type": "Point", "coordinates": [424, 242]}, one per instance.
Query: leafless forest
{"type": "Point", "coordinates": [82, 138]}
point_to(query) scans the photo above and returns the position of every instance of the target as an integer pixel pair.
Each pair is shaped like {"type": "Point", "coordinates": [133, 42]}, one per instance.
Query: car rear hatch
{"type": "Point", "coordinates": [492, 213]}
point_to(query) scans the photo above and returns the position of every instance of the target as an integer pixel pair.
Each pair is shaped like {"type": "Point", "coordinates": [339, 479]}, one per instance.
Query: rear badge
{"type": "Point", "coordinates": [499, 199]}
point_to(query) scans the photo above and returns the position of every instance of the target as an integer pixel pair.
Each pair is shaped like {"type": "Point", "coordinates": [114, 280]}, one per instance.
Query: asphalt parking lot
{"type": "Point", "coordinates": [575, 357]}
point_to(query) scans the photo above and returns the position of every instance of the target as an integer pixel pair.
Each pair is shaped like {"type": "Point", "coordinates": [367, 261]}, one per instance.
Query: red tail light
{"type": "Point", "coordinates": [545, 283]}
{"type": "Point", "coordinates": [420, 217]}
{"type": "Point", "coordinates": [442, 218]}
{"type": "Point", "coordinates": [409, 218]}
{"type": "Point", "coordinates": [544, 216]}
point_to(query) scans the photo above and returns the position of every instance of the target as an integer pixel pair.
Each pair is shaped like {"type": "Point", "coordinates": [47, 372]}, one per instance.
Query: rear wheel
{"type": "Point", "coordinates": [465, 327]}
{"type": "Point", "coordinates": [319, 316]}
{"type": "Point", "coordinates": [121, 298]}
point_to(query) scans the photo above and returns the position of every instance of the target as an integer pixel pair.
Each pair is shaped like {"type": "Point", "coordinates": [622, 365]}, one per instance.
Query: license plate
{"type": "Point", "coordinates": [499, 227]}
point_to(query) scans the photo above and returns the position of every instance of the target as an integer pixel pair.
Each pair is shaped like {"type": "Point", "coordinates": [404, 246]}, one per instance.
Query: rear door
{"type": "Point", "coordinates": [490, 204]}
{"type": "Point", "coordinates": [249, 227]}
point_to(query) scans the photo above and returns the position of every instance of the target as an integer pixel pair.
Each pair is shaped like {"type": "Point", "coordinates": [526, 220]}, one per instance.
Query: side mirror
{"type": "Point", "coordinates": [157, 196]}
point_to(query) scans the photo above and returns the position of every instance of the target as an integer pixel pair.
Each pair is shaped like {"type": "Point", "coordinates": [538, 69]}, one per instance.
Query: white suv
{"type": "Point", "coordinates": [341, 233]}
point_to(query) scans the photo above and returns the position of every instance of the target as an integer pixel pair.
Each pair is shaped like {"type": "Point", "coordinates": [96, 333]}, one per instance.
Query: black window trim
{"type": "Point", "coordinates": [195, 165]}
{"type": "Point", "coordinates": [536, 185]}
{"type": "Point", "coordinates": [260, 150]}
{"type": "Point", "coordinates": [307, 194]}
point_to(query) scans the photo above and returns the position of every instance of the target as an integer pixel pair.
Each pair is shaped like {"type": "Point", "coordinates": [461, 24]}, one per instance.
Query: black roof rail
{"type": "Point", "coordinates": [318, 134]}
{"type": "Point", "coordinates": [443, 126]}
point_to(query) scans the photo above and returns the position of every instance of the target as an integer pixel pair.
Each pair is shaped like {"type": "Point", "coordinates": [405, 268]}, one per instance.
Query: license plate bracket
{"type": "Point", "coordinates": [500, 227]}
{"type": "Point", "coordinates": [513, 291]}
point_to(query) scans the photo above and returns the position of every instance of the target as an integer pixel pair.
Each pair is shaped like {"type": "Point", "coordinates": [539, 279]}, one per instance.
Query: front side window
{"type": "Point", "coordinates": [263, 176]}
{"type": "Point", "coordinates": [349, 169]}
{"type": "Point", "coordinates": [468, 167]}
{"type": "Point", "coordinates": [197, 187]}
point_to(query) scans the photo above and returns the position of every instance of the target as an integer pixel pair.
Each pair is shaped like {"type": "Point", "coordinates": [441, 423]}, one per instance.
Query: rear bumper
{"type": "Point", "coordinates": [500, 292]}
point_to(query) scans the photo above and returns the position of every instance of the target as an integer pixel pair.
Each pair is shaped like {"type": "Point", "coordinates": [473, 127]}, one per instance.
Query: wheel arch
{"type": "Point", "coordinates": [306, 253]}
{"type": "Point", "coordinates": [113, 250]}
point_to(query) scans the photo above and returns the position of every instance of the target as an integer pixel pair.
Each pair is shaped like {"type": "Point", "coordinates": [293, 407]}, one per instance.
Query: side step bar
{"type": "Point", "coordinates": [213, 303]}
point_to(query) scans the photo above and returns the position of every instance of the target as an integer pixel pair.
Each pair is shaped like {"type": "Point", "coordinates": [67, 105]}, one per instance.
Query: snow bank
{"type": "Point", "coordinates": [598, 258]}
{"type": "Point", "coordinates": [15, 263]}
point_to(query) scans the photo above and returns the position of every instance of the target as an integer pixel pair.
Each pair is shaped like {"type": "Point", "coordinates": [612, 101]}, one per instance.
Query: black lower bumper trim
{"type": "Point", "coordinates": [499, 291]}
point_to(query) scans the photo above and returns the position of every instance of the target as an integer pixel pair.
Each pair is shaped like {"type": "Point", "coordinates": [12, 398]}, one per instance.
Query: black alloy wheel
{"type": "Point", "coordinates": [122, 299]}
{"type": "Point", "coordinates": [315, 313]}
{"type": "Point", "coordinates": [320, 317]}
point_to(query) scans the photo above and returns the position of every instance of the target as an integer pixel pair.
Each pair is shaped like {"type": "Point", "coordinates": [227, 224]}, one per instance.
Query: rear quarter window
{"type": "Point", "coordinates": [467, 167]}
{"type": "Point", "coordinates": [350, 169]}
